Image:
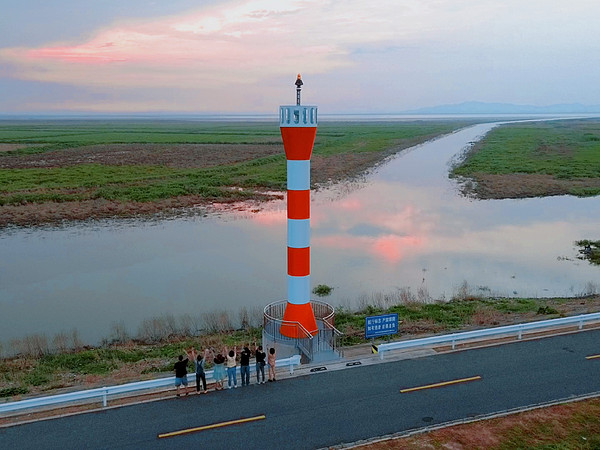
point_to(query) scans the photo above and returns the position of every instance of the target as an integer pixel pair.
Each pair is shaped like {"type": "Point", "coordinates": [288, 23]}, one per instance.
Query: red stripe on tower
{"type": "Point", "coordinates": [298, 206]}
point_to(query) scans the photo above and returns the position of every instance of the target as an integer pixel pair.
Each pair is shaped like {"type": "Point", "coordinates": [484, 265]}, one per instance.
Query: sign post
{"type": "Point", "coordinates": [377, 326]}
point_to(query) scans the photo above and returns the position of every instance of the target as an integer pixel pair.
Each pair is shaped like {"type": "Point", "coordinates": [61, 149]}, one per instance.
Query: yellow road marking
{"type": "Point", "coordinates": [214, 425]}
{"type": "Point", "coordinates": [445, 383]}
{"type": "Point", "coordinates": [592, 357]}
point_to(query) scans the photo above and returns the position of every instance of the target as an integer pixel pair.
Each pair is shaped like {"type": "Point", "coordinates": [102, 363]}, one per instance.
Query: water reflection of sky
{"type": "Point", "coordinates": [404, 227]}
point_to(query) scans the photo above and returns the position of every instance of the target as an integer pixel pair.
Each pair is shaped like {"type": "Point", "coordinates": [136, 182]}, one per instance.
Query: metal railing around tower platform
{"type": "Point", "coordinates": [327, 339]}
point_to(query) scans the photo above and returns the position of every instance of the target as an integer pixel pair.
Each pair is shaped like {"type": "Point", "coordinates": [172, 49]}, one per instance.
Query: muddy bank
{"type": "Point", "coordinates": [51, 212]}
{"type": "Point", "coordinates": [487, 186]}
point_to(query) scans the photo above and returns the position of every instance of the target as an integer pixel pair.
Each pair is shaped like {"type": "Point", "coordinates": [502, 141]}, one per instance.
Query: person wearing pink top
{"type": "Point", "coordinates": [271, 359]}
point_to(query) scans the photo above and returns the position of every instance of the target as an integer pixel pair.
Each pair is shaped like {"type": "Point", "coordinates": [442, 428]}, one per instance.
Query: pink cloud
{"type": "Point", "coordinates": [232, 43]}
{"type": "Point", "coordinates": [215, 53]}
{"type": "Point", "coordinates": [241, 41]}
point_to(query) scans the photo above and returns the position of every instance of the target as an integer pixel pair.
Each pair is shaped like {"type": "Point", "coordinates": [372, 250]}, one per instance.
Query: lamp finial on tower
{"type": "Point", "coordinates": [299, 84]}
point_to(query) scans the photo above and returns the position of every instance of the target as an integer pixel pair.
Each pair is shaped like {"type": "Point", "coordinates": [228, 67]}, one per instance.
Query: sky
{"type": "Point", "coordinates": [242, 56]}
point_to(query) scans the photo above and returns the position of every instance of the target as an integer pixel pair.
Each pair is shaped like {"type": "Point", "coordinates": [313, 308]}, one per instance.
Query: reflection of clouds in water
{"type": "Point", "coordinates": [389, 248]}
{"type": "Point", "coordinates": [392, 248]}
{"type": "Point", "coordinates": [350, 204]}
{"type": "Point", "coordinates": [537, 242]}
{"type": "Point", "coordinates": [386, 226]}
{"type": "Point", "coordinates": [359, 224]}
{"type": "Point", "coordinates": [270, 218]}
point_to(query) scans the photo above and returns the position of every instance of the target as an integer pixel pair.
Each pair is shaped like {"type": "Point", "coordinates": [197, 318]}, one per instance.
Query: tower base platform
{"type": "Point", "coordinates": [323, 343]}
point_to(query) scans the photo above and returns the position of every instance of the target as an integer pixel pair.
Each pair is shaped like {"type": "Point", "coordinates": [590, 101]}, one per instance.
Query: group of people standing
{"type": "Point", "coordinates": [224, 366]}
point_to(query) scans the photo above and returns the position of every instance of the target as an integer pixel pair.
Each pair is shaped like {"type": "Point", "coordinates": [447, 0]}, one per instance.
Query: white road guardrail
{"type": "Point", "coordinates": [105, 392]}
{"type": "Point", "coordinates": [518, 329]}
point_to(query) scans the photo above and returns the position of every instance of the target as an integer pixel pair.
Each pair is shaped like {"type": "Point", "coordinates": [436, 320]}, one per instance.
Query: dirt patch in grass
{"type": "Point", "coordinates": [545, 150]}
{"type": "Point", "coordinates": [188, 156]}
{"type": "Point", "coordinates": [11, 147]}
{"type": "Point", "coordinates": [573, 425]}
{"type": "Point", "coordinates": [168, 155]}
{"type": "Point", "coordinates": [523, 185]}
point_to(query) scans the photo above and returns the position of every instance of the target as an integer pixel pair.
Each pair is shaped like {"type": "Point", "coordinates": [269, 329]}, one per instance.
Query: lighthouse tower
{"type": "Point", "coordinates": [298, 124]}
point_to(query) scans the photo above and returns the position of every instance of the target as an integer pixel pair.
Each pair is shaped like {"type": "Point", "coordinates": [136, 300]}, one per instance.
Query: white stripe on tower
{"type": "Point", "coordinates": [298, 173]}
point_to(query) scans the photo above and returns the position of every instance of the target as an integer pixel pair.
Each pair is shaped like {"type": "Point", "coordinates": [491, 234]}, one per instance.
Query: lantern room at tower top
{"type": "Point", "coordinates": [298, 116]}
{"type": "Point", "coordinates": [298, 127]}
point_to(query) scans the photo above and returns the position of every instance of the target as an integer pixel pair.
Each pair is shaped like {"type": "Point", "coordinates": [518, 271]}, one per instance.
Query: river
{"type": "Point", "coordinates": [403, 227]}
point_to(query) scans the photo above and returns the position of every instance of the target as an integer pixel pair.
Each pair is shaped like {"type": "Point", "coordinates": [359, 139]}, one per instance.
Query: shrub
{"type": "Point", "coordinates": [36, 378]}
{"type": "Point", "coordinates": [546, 310]}
{"type": "Point", "coordinates": [9, 392]}
{"type": "Point", "coordinates": [322, 290]}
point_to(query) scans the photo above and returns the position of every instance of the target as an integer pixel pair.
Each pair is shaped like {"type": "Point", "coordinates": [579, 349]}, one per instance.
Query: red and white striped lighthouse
{"type": "Point", "coordinates": [298, 124]}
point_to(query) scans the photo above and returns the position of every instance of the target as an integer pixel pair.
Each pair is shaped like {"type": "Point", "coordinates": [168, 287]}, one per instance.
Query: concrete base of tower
{"type": "Point", "coordinates": [298, 314]}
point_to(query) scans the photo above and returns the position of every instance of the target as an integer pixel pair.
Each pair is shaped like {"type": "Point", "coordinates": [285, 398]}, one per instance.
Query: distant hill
{"type": "Point", "coordinates": [507, 108]}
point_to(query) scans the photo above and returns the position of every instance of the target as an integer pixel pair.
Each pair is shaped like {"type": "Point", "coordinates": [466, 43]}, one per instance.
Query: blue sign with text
{"type": "Point", "coordinates": [383, 325]}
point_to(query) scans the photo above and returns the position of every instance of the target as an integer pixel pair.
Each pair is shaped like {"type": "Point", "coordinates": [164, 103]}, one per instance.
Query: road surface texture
{"type": "Point", "coordinates": [331, 407]}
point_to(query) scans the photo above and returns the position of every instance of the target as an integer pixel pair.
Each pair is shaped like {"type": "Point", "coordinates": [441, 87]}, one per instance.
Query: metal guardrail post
{"type": "Point", "coordinates": [104, 397]}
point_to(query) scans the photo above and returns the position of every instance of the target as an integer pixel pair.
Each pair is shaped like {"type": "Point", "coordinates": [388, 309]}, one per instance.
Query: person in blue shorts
{"type": "Point", "coordinates": [181, 374]}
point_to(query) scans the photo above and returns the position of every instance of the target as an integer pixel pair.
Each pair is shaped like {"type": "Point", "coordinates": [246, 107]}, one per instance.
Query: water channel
{"type": "Point", "coordinates": [403, 227]}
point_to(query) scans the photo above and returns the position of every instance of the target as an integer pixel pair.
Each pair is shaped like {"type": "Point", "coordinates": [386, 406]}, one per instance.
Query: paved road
{"type": "Point", "coordinates": [332, 407]}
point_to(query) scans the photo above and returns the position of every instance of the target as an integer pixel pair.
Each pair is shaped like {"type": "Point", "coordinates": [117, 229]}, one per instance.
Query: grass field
{"type": "Point", "coordinates": [535, 159]}
{"type": "Point", "coordinates": [75, 164]}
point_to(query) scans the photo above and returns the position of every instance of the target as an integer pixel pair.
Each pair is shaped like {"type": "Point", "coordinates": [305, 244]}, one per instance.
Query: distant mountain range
{"type": "Point", "coordinates": [506, 108]}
